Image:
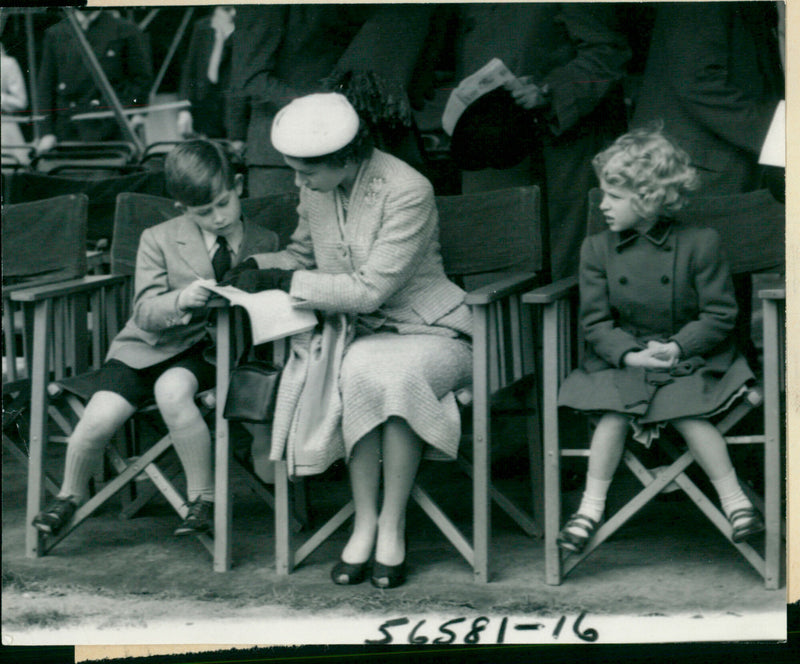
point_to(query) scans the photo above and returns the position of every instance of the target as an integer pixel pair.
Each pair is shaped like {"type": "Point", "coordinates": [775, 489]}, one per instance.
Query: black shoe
{"type": "Point", "coordinates": [55, 516]}
{"type": "Point", "coordinates": [388, 576]}
{"type": "Point", "coordinates": [349, 574]}
{"type": "Point", "coordinates": [199, 520]}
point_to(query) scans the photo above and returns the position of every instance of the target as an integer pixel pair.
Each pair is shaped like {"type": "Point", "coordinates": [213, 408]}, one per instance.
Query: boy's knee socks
{"type": "Point", "coordinates": [193, 445]}
{"type": "Point", "coordinates": [82, 460]}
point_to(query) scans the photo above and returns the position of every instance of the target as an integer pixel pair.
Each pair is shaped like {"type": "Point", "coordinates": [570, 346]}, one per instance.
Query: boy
{"type": "Point", "coordinates": [163, 349]}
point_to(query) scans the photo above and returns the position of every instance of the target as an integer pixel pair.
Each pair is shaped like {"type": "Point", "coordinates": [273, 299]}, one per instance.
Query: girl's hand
{"type": "Point", "coordinates": [528, 94]}
{"type": "Point", "coordinates": [670, 351]}
{"type": "Point", "coordinates": [195, 294]}
{"type": "Point", "coordinates": [645, 359]}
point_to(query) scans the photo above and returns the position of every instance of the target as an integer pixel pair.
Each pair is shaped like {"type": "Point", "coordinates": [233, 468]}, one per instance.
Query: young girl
{"type": "Point", "coordinates": [657, 310]}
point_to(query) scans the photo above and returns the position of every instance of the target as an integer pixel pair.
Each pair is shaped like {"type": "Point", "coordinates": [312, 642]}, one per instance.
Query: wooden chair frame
{"type": "Point", "coordinates": [503, 353]}
{"type": "Point", "coordinates": [67, 349]}
{"type": "Point", "coordinates": [110, 297]}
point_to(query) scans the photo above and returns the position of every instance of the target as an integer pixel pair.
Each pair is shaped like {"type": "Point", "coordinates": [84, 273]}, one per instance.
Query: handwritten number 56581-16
{"type": "Point", "coordinates": [479, 630]}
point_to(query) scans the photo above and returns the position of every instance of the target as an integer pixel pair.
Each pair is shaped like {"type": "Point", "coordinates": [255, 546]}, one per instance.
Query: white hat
{"type": "Point", "coordinates": [314, 125]}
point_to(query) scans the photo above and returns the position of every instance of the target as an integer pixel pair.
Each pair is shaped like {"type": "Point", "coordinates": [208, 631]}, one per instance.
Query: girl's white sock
{"type": "Point", "coordinates": [593, 503]}
{"type": "Point", "coordinates": [730, 493]}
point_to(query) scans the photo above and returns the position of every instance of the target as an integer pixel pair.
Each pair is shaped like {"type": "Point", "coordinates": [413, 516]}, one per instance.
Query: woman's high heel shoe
{"type": "Point", "coordinates": [388, 576]}
{"type": "Point", "coordinates": [349, 574]}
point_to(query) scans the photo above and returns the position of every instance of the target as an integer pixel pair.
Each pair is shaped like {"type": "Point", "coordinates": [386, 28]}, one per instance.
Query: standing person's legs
{"type": "Point", "coordinates": [569, 176]}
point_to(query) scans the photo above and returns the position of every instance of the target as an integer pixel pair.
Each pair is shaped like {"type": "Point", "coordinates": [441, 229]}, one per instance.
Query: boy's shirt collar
{"type": "Point", "coordinates": [234, 241]}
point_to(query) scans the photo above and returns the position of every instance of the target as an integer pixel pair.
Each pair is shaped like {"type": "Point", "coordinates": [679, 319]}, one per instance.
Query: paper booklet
{"type": "Point", "coordinates": [271, 313]}
{"type": "Point", "coordinates": [492, 75]}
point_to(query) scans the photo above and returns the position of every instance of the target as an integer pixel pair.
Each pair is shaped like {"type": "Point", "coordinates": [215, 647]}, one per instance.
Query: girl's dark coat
{"type": "Point", "coordinates": [671, 284]}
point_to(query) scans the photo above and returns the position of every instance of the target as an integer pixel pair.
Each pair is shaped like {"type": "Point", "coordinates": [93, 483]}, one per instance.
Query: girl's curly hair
{"type": "Point", "coordinates": [652, 166]}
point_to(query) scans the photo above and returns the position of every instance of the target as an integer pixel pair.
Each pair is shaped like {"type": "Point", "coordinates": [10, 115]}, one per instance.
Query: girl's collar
{"type": "Point", "coordinates": [657, 234]}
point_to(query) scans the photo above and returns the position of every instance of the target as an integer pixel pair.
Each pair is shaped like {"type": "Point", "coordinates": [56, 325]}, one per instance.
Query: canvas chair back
{"type": "Point", "coordinates": [102, 193]}
{"type": "Point", "coordinates": [486, 234]}
{"type": "Point", "coordinates": [44, 242]}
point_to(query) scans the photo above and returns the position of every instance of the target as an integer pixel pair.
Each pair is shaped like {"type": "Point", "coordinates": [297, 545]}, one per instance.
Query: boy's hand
{"type": "Point", "coordinates": [645, 359]}
{"type": "Point", "coordinates": [195, 295]}
{"type": "Point", "coordinates": [229, 278]}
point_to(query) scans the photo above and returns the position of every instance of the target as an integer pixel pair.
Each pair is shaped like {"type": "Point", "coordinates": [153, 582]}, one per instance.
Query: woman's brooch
{"type": "Point", "coordinates": [373, 189]}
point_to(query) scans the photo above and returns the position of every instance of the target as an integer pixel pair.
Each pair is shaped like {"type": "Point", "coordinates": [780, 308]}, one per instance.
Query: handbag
{"type": "Point", "coordinates": [251, 392]}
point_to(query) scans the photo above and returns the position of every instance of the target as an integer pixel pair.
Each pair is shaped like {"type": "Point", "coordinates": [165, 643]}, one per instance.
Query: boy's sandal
{"type": "Point", "coordinates": [744, 523]}
{"type": "Point", "coordinates": [578, 530]}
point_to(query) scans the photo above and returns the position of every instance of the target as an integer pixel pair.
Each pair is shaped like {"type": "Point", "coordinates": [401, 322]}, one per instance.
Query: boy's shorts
{"type": "Point", "coordinates": [136, 385]}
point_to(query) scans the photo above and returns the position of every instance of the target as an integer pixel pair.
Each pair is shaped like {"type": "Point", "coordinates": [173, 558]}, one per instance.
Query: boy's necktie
{"type": "Point", "coordinates": [222, 258]}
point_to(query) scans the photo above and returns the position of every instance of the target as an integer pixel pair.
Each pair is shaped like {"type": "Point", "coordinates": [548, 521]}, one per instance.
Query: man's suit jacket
{"type": "Point", "coordinates": [208, 110]}
{"type": "Point", "coordinates": [171, 256]}
{"type": "Point", "coordinates": [66, 85]}
{"type": "Point", "coordinates": [284, 51]}
{"type": "Point", "coordinates": [713, 77]}
{"type": "Point", "coordinates": [386, 266]}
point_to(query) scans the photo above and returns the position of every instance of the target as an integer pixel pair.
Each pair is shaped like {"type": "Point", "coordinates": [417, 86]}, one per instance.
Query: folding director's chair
{"type": "Point", "coordinates": [751, 227]}
{"type": "Point", "coordinates": [491, 244]}
{"type": "Point", "coordinates": [44, 242]}
{"type": "Point", "coordinates": [135, 212]}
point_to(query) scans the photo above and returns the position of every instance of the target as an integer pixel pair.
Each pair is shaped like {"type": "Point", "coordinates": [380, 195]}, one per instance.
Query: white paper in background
{"type": "Point", "coordinates": [271, 313]}
{"type": "Point", "coordinates": [773, 152]}
{"type": "Point", "coordinates": [489, 77]}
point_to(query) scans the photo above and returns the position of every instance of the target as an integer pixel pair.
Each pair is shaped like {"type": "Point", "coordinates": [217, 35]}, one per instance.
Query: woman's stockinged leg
{"type": "Point", "coordinates": [365, 476]}
{"type": "Point", "coordinates": [402, 451]}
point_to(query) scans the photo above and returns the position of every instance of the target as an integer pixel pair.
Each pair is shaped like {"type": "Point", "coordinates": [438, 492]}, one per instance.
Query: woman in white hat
{"type": "Point", "coordinates": [366, 245]}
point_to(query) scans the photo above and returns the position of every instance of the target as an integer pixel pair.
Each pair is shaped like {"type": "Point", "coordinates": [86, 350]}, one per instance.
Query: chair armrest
{"type": "Point", "coordinates": [71, 287]}
{"type": "Point", "coordinates": [501, 288]}
{"type": "Point", "coordinates": [552, 292]}
{"type": "Point", "coordinates": [772, 293]}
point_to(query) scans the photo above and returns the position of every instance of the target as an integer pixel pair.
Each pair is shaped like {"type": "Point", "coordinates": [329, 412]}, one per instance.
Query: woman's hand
{"type": "Point", "coordinates": [195, 295]}
{"type": "Point", "coordinates": [253, 281]}
{"type": "Point", "coordinates": [229, 278]}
